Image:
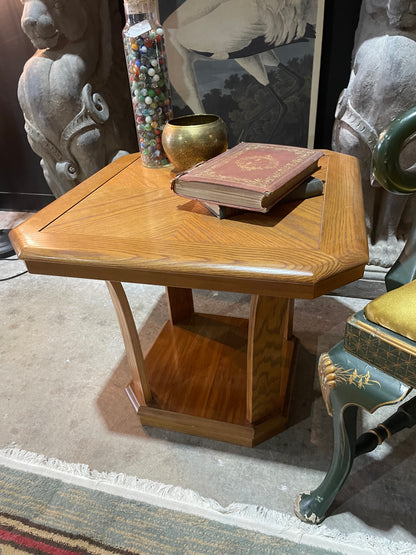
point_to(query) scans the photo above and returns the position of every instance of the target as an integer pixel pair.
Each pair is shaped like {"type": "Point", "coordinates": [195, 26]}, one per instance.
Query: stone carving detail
{"type": "Point", "coordinates": [381, 86]}
{"type": "Point", "coordinates": [74, 91]}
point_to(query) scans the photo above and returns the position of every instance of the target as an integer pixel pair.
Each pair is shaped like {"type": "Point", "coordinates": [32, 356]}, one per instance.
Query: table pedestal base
{"type": "Point", "coordinates": [213, 376]}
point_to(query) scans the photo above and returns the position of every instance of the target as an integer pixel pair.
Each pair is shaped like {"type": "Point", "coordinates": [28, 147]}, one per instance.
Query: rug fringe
{"type": "Point", "coordinates": [251, 517]}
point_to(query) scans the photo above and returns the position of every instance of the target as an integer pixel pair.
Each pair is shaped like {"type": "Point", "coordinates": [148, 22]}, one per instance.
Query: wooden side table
{"type": "Point", "coordinates": [208, 375]}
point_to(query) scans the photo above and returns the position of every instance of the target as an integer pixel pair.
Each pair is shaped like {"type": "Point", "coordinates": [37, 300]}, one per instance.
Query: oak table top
{"type": "Point", "coordinates": [124, 224]}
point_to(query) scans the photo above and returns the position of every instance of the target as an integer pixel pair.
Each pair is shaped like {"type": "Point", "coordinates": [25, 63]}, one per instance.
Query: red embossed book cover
{"type": "Point", "coordinates": [252, 176]}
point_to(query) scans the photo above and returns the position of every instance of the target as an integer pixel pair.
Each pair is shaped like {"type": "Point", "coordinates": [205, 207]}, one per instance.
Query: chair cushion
{"type": "Point", "coordinates": [395, 310]}
{"type": "Point", "coordinates": [388, 351]}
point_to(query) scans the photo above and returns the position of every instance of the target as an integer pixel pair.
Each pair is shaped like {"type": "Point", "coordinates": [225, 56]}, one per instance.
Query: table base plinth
{"type": "Point", "coordinates": [247, 436]}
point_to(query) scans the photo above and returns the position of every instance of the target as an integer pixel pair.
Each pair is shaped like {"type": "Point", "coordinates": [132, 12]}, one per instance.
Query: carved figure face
{"type": "Point", "coordinates": [47, 22]}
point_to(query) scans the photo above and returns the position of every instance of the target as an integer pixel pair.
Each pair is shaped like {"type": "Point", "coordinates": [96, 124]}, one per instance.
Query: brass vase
{"type": "Point", "coordinates": [188, 140]}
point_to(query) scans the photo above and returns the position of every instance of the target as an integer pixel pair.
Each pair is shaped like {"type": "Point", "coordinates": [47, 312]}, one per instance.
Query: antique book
{"type": "Point", "coordinates": [251, 176]}
{"type": "Point", "coordinates": [311, 187]}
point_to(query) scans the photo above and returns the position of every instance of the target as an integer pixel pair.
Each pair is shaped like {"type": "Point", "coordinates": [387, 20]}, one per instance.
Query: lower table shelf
{"type": "Point", "coordinates": [203, 375]}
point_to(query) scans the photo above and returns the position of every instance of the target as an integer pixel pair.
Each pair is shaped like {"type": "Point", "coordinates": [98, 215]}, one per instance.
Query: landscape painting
{"type": "Point", "coordinates": [255, 63]}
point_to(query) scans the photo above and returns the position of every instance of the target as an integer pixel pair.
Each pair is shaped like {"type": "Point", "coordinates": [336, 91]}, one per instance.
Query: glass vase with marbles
{"type": "Point", "coordinates": [145, 53]}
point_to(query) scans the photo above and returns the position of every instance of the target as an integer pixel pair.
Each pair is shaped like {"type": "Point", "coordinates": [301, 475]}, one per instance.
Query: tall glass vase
{"type": "Point", "coordinates": [145, 53]}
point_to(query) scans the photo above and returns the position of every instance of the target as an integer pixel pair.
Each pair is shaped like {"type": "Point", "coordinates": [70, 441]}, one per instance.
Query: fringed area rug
{"type": "Point", "coordinates": [49, 506]}
{"type": "Point", "coordinates": [41, 514]}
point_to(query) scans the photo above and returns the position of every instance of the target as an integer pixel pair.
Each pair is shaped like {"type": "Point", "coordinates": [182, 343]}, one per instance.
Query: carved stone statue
{"type": "Point", "coordinates": [74, 90]}
{"type": "Point", "coordinates": [381, 86]}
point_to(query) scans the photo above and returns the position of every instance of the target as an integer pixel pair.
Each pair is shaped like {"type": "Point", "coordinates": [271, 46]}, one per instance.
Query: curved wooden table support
{"type": "Point", "coordinates": [139, 390]}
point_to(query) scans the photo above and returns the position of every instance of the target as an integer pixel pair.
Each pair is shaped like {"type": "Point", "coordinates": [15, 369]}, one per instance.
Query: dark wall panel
{"type": "Point", "coordinates": [22, 185]}
{"type": "Point", "coordinates": [340, 22]}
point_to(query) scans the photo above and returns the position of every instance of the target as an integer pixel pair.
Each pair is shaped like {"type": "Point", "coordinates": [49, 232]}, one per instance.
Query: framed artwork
{"type": "Point", "coordinates": [255, 63]}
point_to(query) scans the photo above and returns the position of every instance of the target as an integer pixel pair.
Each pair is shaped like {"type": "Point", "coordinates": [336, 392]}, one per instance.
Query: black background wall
{"type": "Point", "coordinates": [340, 22]}
{"type": "Point", "coordinates": [22, 185]}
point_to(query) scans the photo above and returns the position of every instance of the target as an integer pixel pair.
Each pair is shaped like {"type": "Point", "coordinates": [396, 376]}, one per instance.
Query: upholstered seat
{"type": "Point", "coordinates": [375, 365]}
{"type": "Point", "coordinates": [395, 310]}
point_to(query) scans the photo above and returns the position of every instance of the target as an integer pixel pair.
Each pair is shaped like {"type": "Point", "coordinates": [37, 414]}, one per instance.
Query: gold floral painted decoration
{"type": "Point", "coordinates": [331, 374]}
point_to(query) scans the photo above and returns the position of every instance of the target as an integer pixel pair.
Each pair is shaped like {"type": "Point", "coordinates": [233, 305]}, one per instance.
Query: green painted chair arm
{"type": "Point", "coordinates": [386, 166]}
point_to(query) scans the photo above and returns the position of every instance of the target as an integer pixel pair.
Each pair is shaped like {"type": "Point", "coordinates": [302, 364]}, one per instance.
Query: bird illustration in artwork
{"type": "Point", "coordinates": [244, 30]}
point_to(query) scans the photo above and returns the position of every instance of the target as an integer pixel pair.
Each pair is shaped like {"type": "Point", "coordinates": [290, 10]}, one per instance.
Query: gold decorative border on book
{"type": "Point", "coordinates": [301, 154]}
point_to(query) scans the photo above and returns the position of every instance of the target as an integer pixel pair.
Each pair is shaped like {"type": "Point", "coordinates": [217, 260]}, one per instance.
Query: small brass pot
{"type": "Point", "coordinates": [188, 140]}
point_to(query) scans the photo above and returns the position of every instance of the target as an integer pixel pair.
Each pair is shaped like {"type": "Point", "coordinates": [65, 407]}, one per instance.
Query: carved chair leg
{"type": "Point", "coordinates": [347, 383]}
{"type": "Point", "coordinates": [312, 506]}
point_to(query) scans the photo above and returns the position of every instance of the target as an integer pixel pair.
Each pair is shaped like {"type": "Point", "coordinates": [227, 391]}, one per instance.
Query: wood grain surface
{"type": "Point", "coordinates": [199, 368]}
{"type": "Point", "coordinates": [266, 351]}
{"type": "Point", "coordinates": [125, 224]}
{"type": "Point", "coordinates": [139, 383]}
